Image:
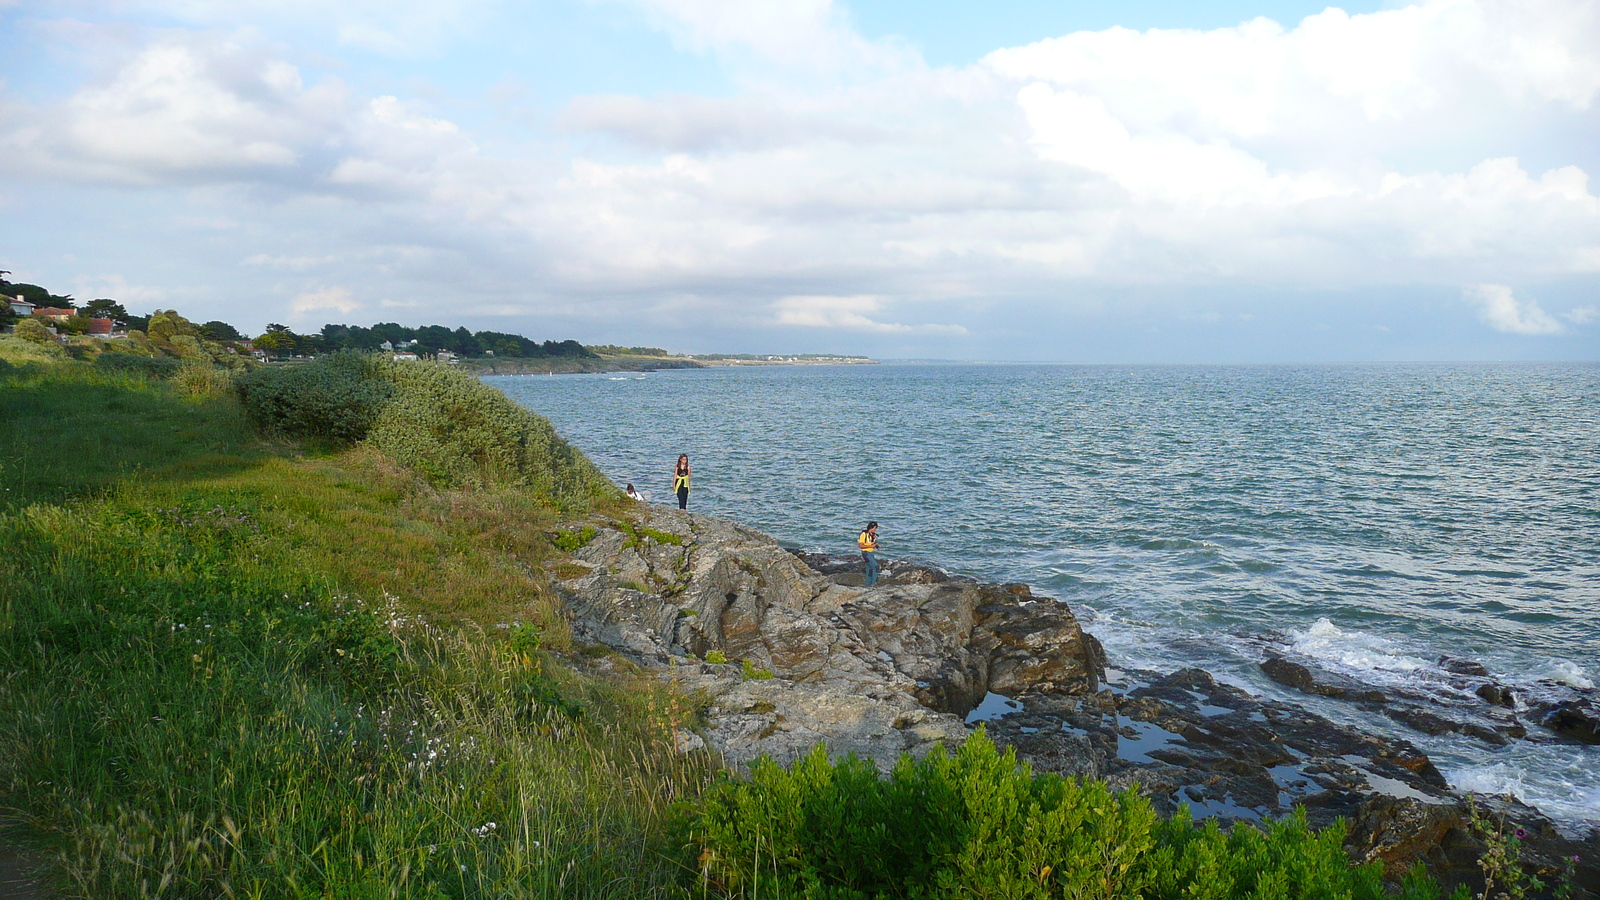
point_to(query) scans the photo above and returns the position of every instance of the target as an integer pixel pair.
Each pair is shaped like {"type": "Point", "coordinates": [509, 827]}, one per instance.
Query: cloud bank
{"type": "Point", "coordinates": [1444, 144]}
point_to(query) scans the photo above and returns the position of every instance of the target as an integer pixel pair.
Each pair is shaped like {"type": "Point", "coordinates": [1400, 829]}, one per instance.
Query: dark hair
{"type": "Point", "coordinates": [630, 485]}
{"type": "Point", "coordinates": [870, 526]}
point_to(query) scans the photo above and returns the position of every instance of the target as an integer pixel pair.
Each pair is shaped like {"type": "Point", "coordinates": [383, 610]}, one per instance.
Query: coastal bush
{"type": "Point", "coordinates": [444, 425]}
{"type": "Point", "coordinates": [18, 350]}
{"type": "Point", "coordinates": [455, 430]}
{"type": "Point", "coordinates": [31, 330]}
{"type": "Point", "coordinates": [979, 824]}
{"type": "Point", "coordinates": [336, 398]}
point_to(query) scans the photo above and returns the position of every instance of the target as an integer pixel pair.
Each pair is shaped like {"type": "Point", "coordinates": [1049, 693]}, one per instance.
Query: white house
{"type": "Point", "coordinates": [405, 357]}
{"type": "Point", "coordinates": [21, 307]}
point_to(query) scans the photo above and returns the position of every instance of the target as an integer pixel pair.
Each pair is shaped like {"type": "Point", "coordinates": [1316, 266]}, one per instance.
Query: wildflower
{"type": "Point", "coordinates": [1521, 833]}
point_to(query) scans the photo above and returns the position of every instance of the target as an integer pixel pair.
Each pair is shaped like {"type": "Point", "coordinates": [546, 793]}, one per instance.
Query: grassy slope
{"type": "Point", "coordinates": [217, 682]}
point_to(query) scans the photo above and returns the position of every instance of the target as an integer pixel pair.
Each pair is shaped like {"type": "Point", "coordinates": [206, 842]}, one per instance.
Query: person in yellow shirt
{"type": "Point", "coordinates": [680, 480]}
{"type": "Point", "coordinates": [868, 542]}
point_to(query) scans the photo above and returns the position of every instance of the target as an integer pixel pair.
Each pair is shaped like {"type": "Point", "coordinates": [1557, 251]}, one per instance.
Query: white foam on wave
{"type": "Point", "coordinates": [1573, 801]}
{"type": "Point", "coordinates": [1354, 651]}
{"type": "Point", "coordinates": [1569, 673]}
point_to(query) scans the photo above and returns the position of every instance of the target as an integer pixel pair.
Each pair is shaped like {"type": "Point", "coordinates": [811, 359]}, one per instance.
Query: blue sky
{"type": "Point", "coordinates": [1083, 182]}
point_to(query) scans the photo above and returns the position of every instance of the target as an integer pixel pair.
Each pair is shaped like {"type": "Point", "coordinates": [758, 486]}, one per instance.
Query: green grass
{"type": "Point", "coordinates": [217, 681]}
{"type": "Point", "coordinates": [69, 431]}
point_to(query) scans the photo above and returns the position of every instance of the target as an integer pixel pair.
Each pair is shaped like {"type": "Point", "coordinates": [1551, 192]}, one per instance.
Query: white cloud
{"type": "Point", "coordinates": [1429, 145]}
{"type": "Point", "coordinates": [1504, 312]}
{"type": "Point", "coordinates": [184, 107]}
{"type": "Point", "coordinates": [326, 299]}
{"type": "Point", "coordinates": [848, 313]}
{"type": "Point", "coordinates": [1584, 315]}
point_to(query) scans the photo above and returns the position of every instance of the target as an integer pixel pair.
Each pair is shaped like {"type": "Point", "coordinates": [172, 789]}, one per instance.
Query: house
{"type": "Point", "coordinates": [53, 313]}
{"type": "Point", "coordinates": [100, 327]}
{"type": "Point", "coordinates": [20, 306]}
{"type": "Point", "coordinates": [445, 356]}
{"type": "Point", "coordinates": [405, 357]}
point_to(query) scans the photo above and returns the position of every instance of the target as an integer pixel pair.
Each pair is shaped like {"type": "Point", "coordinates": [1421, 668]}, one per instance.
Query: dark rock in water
{"type": "Point", "coordinates": [1463, 667]}
{"type": "Point", "coordinates": [1324, 684]}
{"type": "Point", "coordinates": [1576, 719]}
{"type": "Point", "coordinates": [1497, 694]}
{"type": "Point", "coordinates": [1288, 674]}
{"type": "Point", "coordinates": [1432, 723]}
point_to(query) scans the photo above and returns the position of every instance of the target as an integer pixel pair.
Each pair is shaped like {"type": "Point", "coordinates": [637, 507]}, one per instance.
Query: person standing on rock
{"type": "Point", "coordinates": [868, 542]}
{"type": "Point", "coordinates": [680, 480]}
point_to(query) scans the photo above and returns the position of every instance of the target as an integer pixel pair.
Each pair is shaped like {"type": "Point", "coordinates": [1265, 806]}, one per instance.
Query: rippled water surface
{"type": "Point", "coordinates": [1372, 518]}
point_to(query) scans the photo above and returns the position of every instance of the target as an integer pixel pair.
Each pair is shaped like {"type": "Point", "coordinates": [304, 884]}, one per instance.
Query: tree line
{"type": "Point", "coordinates": [280, 340]}
{"type": "Point", "coordinates": [424, 341]}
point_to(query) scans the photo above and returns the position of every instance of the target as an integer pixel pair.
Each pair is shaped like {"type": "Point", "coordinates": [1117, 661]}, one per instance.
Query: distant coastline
{"type": "Point", "coordinates": [563, 365]}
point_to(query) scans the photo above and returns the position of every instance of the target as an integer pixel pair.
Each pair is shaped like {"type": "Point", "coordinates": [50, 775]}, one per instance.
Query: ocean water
{"type": "Point", "coordinates": [1370, 519]}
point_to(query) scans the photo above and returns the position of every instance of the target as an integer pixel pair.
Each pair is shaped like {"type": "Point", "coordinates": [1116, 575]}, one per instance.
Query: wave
{"type": "Point", "coordinates": [1354, 652]}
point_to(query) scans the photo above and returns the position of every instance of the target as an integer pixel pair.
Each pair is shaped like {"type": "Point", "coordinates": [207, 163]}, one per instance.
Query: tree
{"type": "Point", "coordinates": [105, 309]}
{"type": "Point", "coordinates": [219, 331]}
{"type": "Point", "coordinates": [282, 342]}
{"type": "Point", "coordinates": [7, 314]}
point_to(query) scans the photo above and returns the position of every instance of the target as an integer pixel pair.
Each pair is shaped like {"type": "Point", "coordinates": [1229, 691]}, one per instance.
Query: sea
{"type": "Point", "coordinates": [1367, 519]}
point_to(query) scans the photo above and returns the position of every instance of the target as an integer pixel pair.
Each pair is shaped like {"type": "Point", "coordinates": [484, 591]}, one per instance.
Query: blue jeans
{"type": "Point", "coordinates": [872, 567]}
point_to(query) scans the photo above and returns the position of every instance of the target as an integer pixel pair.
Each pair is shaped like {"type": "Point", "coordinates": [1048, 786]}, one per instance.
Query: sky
{"type": "Point", "coordinates": [1090, 182]}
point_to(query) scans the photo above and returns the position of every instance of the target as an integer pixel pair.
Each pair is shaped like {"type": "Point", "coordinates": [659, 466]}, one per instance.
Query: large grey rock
{"type": "Point", "coordinates": [875, 671]}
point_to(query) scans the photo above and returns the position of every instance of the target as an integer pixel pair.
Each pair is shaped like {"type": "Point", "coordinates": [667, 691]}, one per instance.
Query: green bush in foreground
{"type": "Point", "coordinates": [978, 824]}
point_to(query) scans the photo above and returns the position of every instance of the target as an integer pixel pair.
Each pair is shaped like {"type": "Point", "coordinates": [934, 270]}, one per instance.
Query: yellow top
{"type": "Point", "coordinates": [681, 481]}
{"type": "Point", "coordinates": [868, 542]}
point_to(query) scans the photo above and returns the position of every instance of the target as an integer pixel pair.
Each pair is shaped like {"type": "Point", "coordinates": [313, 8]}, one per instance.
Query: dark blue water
{"type": "Point", "coordinates": [1372, 518]}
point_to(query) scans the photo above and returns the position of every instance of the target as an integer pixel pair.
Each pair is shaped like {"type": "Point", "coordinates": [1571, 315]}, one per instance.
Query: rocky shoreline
{"type": "Point", "coordinates": [787, 649]}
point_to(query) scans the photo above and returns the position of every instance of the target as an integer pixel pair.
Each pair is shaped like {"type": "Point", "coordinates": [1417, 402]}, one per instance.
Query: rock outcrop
{"type": "Point", "coordinates": [878, 672]}
{"type": "Point", "coordinates": [789, 649]}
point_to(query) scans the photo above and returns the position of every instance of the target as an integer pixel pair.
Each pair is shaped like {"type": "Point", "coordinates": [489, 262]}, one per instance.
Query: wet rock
{"type": "Point", "coordinates": [1432, 723]}
{"type": "Point", "coordinates": [1575, 719]}
{"type": "Point", "coordinates": [1497, 694]}
{"type": "Point", "coordinates": [1463, 667]}
{"type": "Point", "coordinates": [1315, 681]}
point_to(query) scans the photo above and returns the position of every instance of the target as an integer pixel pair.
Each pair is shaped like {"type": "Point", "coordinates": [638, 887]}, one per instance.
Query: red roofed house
{"type": "Point", "coordinates": [100, 327]}
{"type": "Point", "coordinates": [53, 312]}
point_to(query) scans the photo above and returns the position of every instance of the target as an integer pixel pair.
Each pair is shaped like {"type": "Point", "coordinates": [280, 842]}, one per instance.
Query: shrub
{"type": "Point", "coordinates": [455, 430]}
{"type": "Point", "coordinates": [129, 364]}
{"type": "Point", "coordinates": [716, 657]}
{"type": "Point", "coordinates": [444, 425]}
{"type": "Point", "coordinates": [573, 541]}
{"type": "Point", "coordinates": [979, 824]}
{"type": "Point", "coordinates": [335, 398]}
{"type": "Point", "coordinates": [19, 351]}
{"type": "Point", "coordinates": [202, 379]}
{"type": "Point", "coordinates": [31, 330]}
